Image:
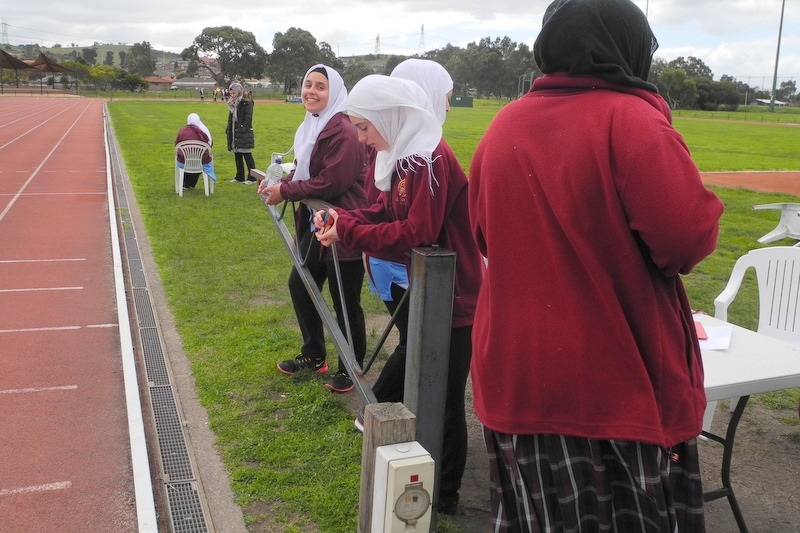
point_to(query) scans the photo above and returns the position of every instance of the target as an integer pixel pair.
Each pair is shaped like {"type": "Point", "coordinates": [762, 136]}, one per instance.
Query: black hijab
{"type": "Point", "coordinates": [607, 39]}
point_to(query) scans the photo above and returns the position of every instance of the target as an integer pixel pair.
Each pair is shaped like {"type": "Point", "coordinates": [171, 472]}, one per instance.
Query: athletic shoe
{"type": "Point", "coordinates": [303, 362]}
{"type": "Point", "coordinates": [234, 180]}
{"type": "Point", "coordinates": [249, 182]}
{"type": "Point", "coordinates": [359, 421]}
{"type": "Point", "coordinates": [341, 383]}
{"type": "Point", "coordinates": [450, 506]}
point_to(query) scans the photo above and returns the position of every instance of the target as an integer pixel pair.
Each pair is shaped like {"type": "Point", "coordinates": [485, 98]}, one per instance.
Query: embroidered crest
{"type": "Point", "coordinates": [402, 195]}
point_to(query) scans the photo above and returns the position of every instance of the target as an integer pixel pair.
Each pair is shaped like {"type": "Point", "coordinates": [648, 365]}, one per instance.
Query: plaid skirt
{"type": "Point", "coordinates": [559, 484]}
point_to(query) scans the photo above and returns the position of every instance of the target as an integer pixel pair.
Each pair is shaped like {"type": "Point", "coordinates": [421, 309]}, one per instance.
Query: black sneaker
{"type": "Point", "coordinates": [301, 362]}
{"type": "Point", "coordinates": [341, 383]}
{"type": "Point", "coordinates": [449, 505]}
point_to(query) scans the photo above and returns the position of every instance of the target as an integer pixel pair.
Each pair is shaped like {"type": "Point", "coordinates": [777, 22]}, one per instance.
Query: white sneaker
{"type": "Point", "coordinates": [249, 182]}
{"type": "Point", "coordinates": [234, 180]}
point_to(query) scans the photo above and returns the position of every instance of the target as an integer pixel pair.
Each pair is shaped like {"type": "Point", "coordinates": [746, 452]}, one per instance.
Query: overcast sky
{"type": "Point", "coordinates": [734, 37]}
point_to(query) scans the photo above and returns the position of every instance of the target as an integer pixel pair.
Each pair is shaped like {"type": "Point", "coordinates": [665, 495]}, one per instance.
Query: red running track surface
{"type": "Point", "coordinates": [65, 452]}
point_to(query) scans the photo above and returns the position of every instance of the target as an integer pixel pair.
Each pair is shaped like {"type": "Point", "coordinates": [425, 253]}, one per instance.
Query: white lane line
{"type": "Point", "coordinates": [38, 389]}
{"type": "Point", "coordinates": [21, 190]}
{"type": "Point", "coordinates": [60, 485]}
{"type": "Point", "coordinates": [75, 193]}
{"type": "Point", "coordinates": [32, 289]}
{"type": "Point", "coordinates": [29, 330]}
{"type": "Point", "coordinates": [58, 328]}
{"type": "Point", "coordinates": [39, 125]}
{"type": "Point", "coordinates": [143, 487]}
{"type": "Point", "coordinates": [41, 260]}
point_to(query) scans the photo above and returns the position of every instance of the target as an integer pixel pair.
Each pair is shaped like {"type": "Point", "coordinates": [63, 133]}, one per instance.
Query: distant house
{"type": "Point", "coordinates": [158, 83]}
{"type": "Point", "coordinates": [762, 101]}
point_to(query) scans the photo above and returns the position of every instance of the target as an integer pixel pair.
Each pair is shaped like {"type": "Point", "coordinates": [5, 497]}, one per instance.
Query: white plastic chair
{"type": "Point", "coordinates": [788, 225]}
{"type": "Point", "coordinates": [193, 152]}
{"type": "Point", "coordinates": [777, 271]}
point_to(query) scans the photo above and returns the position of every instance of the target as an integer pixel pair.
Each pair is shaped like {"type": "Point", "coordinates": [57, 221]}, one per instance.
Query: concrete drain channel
{"type": "Point", "coordinates": [182, 498]}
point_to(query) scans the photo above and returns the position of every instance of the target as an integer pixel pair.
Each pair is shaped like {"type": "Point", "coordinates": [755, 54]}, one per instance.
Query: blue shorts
{"type": "Point", "coordinates": [382, 274]}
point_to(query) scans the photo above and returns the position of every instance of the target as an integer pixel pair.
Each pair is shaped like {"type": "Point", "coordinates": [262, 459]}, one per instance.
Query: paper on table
{"type": "Point", "coordinates": [719, 338]}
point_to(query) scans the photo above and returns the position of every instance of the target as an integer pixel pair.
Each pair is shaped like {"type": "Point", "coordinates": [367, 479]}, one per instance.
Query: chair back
{"type": "Point", "coordinates": [777, 271]}
{"type": "Point", "coordinates": [193, 152]}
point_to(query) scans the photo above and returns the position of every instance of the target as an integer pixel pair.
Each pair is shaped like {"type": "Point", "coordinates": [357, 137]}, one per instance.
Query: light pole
{"type": "Point", "coordinates": [777, 55]}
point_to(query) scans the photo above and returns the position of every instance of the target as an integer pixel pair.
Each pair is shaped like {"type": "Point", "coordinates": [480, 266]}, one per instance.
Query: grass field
{"type": "Point", "coordinates": [290, 446]}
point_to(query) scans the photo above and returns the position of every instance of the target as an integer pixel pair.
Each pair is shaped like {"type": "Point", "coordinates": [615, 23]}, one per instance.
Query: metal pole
{"type": "Point", "coordinates": [430, 313]}
{"type": "Point", "coordinates": [777, 55]}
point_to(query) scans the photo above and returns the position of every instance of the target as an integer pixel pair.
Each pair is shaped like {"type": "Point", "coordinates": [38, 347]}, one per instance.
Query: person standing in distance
{"type": "Point", "coordinates": [239, 131]}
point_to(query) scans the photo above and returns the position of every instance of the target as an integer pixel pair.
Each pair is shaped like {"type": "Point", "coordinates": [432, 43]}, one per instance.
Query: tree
{"type": "Point", "coordinates": [717, 95]}
{"type": "Point", "coordinates": [292, 54]}
{"type": "Point", "coordinates": [140, 59]}
{"type": "Point", "coordinates": [238, 54]}
{"type": "Point", "coordinates": [694, 68]}
{"type": "Point", "coordinates": [328, 57]}
{"type": "Point", "coordinates": [786, 91]}
{"type": "Point", "coordinates": [392, 62]}
{"type": "Point", "coordinates": [130, 82]}
{"type": "Point", "coordinates": [677, 88]}
{"type": "Point", "coordinates": [103, 76]}
{"type": "Point", "coordinates": [354, 72]}
{"type": "Point", "coordinates": [109, 60]}
{"type": "Point", "coordinates": [80, 70]}
{"type": "Point", "coordinates": [90, 55]}
{"type": "Point", "coordinates": [123, 58]}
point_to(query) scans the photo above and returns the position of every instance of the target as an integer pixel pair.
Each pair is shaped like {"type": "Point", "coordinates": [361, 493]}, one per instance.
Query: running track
{"type": "Point", "coordinates": [72, 453]}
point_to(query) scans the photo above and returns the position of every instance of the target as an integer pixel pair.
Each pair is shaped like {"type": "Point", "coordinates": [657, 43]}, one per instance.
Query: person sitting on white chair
{"type": "Point", "coordinates": [195, 130]}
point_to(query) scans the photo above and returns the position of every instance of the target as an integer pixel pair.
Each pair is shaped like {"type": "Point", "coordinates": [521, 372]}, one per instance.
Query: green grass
{"type": "Point", "coordinates": [290, 447]}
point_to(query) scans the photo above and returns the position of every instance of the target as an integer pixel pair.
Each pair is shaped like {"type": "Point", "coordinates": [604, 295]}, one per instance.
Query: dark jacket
{"type": "Point", "coordinates": [241, 137]}
{"type": "Point", "coordinates": [337, 168]}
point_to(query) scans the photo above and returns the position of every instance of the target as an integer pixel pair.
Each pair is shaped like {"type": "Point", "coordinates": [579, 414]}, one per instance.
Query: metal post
{"type": "Point", "coordinates": [777, 55]}
{"type": "Point", "coordinates": [429, 322]}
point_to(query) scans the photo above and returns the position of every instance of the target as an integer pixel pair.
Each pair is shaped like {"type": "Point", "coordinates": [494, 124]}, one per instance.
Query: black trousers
{"type": "Point", "coordinates": [390, 385]}
{"type": "Point", "coordinates": [241, 158]}
{"type": "Point", "coordinates": [308, 319]}
{"type": "Point", "coordinates": [190, 179]}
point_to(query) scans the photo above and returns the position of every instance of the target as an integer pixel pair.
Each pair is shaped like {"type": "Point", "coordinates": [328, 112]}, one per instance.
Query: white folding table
{"type": "Point", "coordinates": [752, 364]}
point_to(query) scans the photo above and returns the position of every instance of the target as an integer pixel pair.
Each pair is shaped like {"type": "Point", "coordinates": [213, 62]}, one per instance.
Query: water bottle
{"type": "Point", "coordinates": [275, 171]}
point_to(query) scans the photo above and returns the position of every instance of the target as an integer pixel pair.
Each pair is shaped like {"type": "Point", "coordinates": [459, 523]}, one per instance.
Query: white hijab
{"type": "Point", "coordinates": [307, 133]}
{"type": "Point", "coordinates": [434, 80]}
{"type": "Point", "coordinates": [398, 108]}
{"type": "Point", "coordinates": [194, 120]}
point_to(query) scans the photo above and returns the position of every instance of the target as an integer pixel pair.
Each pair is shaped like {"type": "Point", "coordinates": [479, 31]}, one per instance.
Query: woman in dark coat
{"type": "Point", "coordinates": [241, 138]}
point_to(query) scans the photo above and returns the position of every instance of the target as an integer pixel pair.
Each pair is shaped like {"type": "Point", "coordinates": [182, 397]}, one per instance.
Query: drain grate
{"type": "Point", "coordinates": [184, 506]}
{"type": "Point", "coordinates": [187, 511]}
{"type": "Point", "coordinates": [174, 455]}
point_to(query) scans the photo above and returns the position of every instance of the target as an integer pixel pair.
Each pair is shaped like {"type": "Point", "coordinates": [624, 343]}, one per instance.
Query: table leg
{"type": "Point", "coordinates": [727, 446]}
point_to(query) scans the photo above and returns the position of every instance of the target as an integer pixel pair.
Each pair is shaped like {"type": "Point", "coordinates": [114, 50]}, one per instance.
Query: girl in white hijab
{"type": "Point", "coordinates": [434, 80]}
{"type": "Point", "coordinates": [423, 203]}
{"type": "Point", "coordinates": [306, 135]}
{"type": "Point", "coordinates": [195, 130]}
{"type": "Point", "coordinates": [398, 109]}
{"type": "Point", "coordinates": [194, 120]}
{"type": "Point", "coordinates": [330, 165]}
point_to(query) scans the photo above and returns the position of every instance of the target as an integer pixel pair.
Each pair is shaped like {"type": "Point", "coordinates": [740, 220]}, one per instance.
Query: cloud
{"type": "Point", "coordinates": [736, 37]}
